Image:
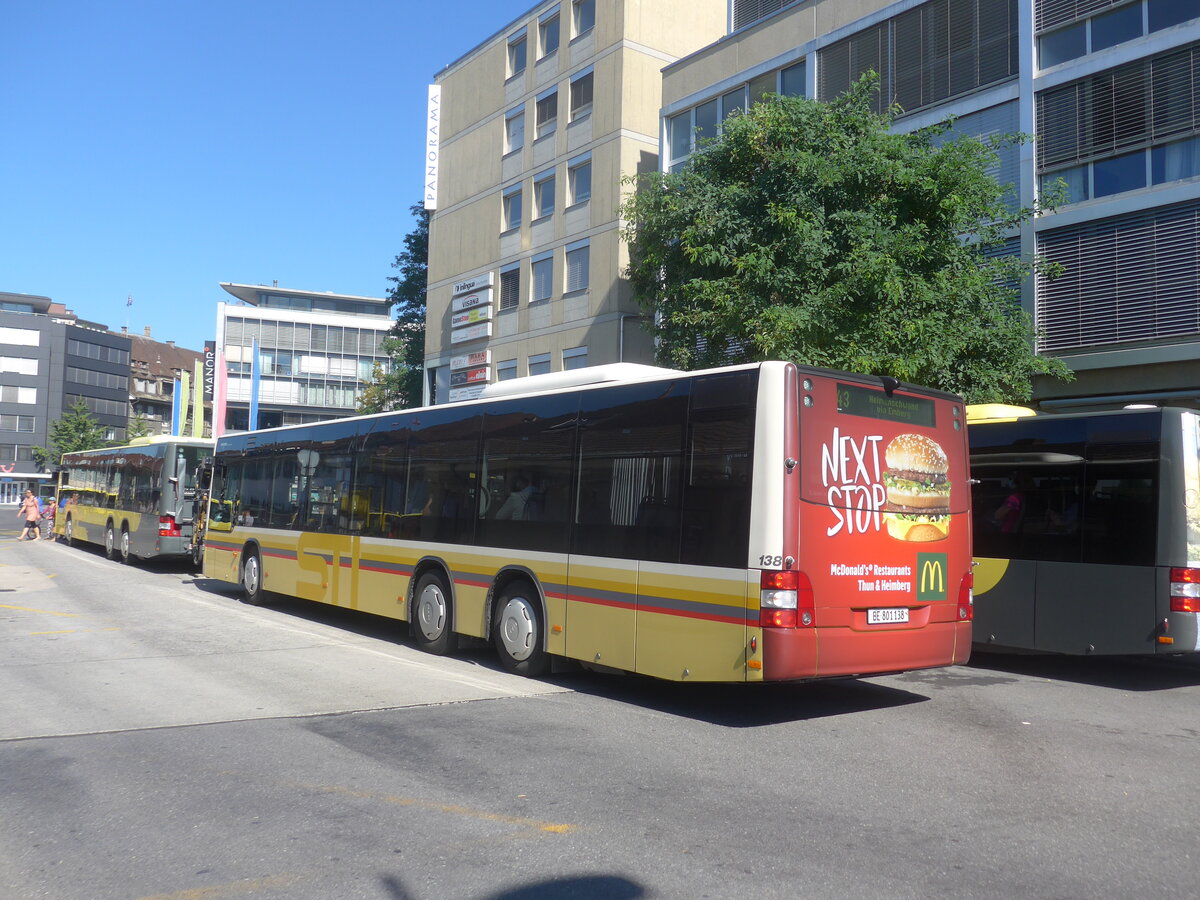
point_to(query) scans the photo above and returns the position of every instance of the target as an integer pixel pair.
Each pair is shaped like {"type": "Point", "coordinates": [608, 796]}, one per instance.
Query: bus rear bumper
{"type": "Point", "coordinates": [790, 654]}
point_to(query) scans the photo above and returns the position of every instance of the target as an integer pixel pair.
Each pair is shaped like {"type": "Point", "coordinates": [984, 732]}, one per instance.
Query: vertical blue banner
{"type": "Point", "coordinates": [255, 379]}
{"type": "Point", "coordinates": [176, 409]}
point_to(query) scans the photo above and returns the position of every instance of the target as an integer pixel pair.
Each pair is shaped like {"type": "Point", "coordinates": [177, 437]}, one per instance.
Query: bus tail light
{"type": "Point", "coordinates": [1185, 590]}
{"type": "Point", "coordinates": [966, 598]}
{"type": "Point", "coordinates": [167, 527]}
{"type": "Point", "coordinates": [785, 600]}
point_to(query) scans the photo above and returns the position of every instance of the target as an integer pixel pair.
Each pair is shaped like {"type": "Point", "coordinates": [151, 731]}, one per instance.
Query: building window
{"type": "Point", "coordinates": [539, 364]}
{"type": "Point", "coordinates": [512, 208]}
{"type": "Point", "coordinates": [1107, 28]}
{"type": "Point", "coordinates": [514, 131]}
{"type": "Point", "coordinates": [793, 81]}
{"type": "Point", "coordinates": [510, 287]}
{"type": "Point", "coordinates": [516, 54]}
{"type": "Point", "coordinates": [548, 33]}
{"type": "Point", "coordinates": [543, 196]}
{"type": "Point", "coordinates": [581, 96]}
{"type": "Point", "coordinates": [542, 276]}
{"type": "Point", "coordinates": [1127, 278]}
{"type": "Point", "coordinates": [12, 394]}
{"type": "Point", "coordinates": [575, 358]}
{"type": "Point", "coordinates": [506, 369]}
{"type": "Point", "coordinates": [547, 113]}
{"type": "Point", "coordinates": [577, 267]}
{"type": "Point", "coordinates": [18, 365]}
{"type": "Point", "coordinates": [937, 50]}
{"type": "Point", "coordinates": [583, 16]}
{"type": "Point", "coordinates": [747, 12]}
{"type": "Point", "coordinates": [579, 180]}
{"type": "Point", "coordinates": [24, 337]}
{"type": "Point", "coordinates": [1095, 131]}
{"type": "Point", "coordinates": [16, 423]}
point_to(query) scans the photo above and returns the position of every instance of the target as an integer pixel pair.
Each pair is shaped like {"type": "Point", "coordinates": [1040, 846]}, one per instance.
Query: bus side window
{"type": "Point", "coordinates": [630, 475]}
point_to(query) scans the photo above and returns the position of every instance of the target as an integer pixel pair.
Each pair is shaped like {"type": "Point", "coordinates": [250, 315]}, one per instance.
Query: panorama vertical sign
{"type": "Point", "coordinates": [432, 145]}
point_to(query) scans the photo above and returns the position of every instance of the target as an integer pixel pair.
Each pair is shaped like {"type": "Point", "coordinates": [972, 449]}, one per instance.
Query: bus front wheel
{"type": "Point", "coordinates": [252, 580]}
{"type": "Point", "coordinates": [433, 620]}
{"type": "Point", "coordinates": [110, 542]}
{"type": "Point", "coordinates": [69, 532]}
{"type": "Point", "coordinates": [517, 631]}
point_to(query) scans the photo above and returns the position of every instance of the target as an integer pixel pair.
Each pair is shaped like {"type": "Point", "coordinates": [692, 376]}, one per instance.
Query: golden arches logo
{"type": "Point", "coordinates": [931, 578]}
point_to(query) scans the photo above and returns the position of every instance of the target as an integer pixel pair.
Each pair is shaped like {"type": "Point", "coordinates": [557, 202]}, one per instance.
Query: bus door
{"type": "Point", "coordinates": [885, 532]}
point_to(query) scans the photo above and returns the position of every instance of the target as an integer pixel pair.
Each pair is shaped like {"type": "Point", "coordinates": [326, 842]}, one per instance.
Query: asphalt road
{"type": "Point", "coordinates": [160, 739]}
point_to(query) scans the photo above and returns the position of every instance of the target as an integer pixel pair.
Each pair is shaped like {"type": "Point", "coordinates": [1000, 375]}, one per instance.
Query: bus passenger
{"type": "Point", "coordinates": [514, 507]}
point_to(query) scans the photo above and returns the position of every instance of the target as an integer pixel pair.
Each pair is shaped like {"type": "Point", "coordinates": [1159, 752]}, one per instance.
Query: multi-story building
{"type": "Point", "coordinates": [538, 125]}
{"type": "Point", "coordinates": [1110, 88]}
{"type": "Point", "coordinates": [49, 360]}
{"type": "Point", "coordinates": [316, 353]}
{"type": "Point", "coordinates": [156, 366]}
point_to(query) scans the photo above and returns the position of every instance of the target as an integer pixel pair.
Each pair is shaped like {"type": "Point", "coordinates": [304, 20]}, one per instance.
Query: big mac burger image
{"type": "Point", "coordinates": [918, 492]}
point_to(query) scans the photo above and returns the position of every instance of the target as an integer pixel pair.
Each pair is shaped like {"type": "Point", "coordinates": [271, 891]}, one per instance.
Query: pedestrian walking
{"type": "Point", "coordinates": [33, 515]}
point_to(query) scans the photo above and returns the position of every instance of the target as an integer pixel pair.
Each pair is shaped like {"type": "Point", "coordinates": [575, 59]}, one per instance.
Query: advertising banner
{"type": "Point", "coordinates": [471, 333]}
{"type": "Point", "coordinates": [471, 360]}
{"type": "Point", "coordinates": [471, 316]}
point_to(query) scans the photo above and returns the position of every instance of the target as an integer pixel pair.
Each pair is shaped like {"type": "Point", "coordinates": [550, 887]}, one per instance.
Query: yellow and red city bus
{"type": "Point", "coordinates": [136, 500]}
{"type": "Point", "coordinates": [723, 525]}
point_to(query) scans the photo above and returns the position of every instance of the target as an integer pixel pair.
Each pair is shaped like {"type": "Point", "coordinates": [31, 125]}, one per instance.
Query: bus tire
{"type": "Point", "coordinates": [517, 631]}
{"type": "Point", "coordinates": [69, 532]}
{"type": "Point", "coordinates": [110, 542]}
{"type": "Point", "coordinates": [198, 556]}
{"type": "Point", "coordinates": [123, 547]}
{"type": "Point", "coordinates": [433, 616]}
{"type": "Point", "coordinates": [252, 580]}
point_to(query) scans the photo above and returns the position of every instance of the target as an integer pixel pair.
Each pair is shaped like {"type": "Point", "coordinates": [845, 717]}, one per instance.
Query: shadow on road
{"type": "Point", "coordinates": [1126, 673]}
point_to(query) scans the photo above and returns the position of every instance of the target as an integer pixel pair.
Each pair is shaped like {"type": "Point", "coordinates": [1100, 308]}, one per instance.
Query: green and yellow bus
{"type": "Point", "coordinates": [136, 501]}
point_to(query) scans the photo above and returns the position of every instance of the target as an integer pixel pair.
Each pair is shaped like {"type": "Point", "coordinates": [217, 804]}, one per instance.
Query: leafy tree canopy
{"type": "Point", "coordinates": [76, 430]}
{"type": "Point", "coordinates": [811, 232]}
{"type": "Point", "coordinates": [399, 386]}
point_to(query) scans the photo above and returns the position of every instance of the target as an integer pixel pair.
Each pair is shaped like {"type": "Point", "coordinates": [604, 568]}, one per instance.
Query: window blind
{"type": "Point", "coordinates": [1131, 278]}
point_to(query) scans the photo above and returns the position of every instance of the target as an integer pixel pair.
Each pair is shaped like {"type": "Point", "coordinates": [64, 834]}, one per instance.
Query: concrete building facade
{"type": "Point", "coordinates": [316, 351]}
{"type": "Point", "coordinates": [49, 360]}
{"type": "Point", "coordinates": [1111, 90]}
{"type": "Point", "coordinates": [538, 125]}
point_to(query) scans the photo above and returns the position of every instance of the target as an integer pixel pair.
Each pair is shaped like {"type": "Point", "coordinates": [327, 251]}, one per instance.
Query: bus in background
{"type": "Point", "coordinates": [135, 501]}
{"type": "Point", "coordinates": [1087, 530]}
{"type": "Point", "coordinates": [754, 523]}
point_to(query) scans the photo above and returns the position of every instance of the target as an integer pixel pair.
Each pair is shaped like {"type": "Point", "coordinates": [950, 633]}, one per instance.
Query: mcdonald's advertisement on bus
{"type": "Point", "coordinates": [885, 496]}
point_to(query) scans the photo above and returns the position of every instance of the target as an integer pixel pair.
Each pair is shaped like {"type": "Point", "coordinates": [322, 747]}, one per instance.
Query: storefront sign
{"type": "Point", "coordinates": [471, 360]}
{"type": "Point", "coordinates": [471, 333]}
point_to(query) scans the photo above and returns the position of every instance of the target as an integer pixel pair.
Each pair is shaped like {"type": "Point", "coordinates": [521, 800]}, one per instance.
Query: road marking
{"type": "Point", "coordinates": [429, 805]}
{"type": "Point", "coordinates": [75, 631]}
{"type": "Point", "coordinates": [234, 889]}
{"type": "Point", "coordinates": [44, 612]}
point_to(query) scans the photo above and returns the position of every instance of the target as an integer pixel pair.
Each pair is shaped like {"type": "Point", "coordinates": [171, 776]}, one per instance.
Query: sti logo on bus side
{"type": "Point", "coordinates": [931, 576]}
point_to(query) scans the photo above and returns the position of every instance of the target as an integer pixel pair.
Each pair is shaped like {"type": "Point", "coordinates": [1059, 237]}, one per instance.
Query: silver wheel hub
{"type": "Point", "coordinates": [250, 576]}
{"type": "Point", "coordinates": [108, 540]}
{"type": "Point", "coordinates": [517, 626]}
{"type": "Point", "coordinates": [124, 543]}
{"type": "Point", "coordinates": [431, 612]}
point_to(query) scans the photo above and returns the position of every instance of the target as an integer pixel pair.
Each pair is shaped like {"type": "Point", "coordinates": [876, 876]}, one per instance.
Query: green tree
{"type": "Point", "coordinates": [811, 232]}
{"type": "Point", "coordinates": [138, 427]}
{"type": "Point", "coordinates": [76, 430]}
{"type": "Point", "coordinates": [399, 385]}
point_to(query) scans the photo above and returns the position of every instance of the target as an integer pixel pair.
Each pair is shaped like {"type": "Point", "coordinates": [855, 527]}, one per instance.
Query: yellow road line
{"type": "Point", "coordinates": [549, 827]}
{"type": "Point", "coordinates": [67, 631]}
{"type": "Point", "coordinates": [44, 612]}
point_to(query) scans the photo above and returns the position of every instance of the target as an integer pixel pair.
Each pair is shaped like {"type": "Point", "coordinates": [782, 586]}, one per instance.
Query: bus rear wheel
{"type": "Point", "coordinates": [110, 542]}
{"type": "Point", "coordinates": [252, 581]}
{"type": "Point", "coordinates": [517, 631]}
{"type": "Point", "coordinates": [433, 618]}
{"type": "Point", "coordinates": [126, 552]}
{"type": "Point", "coordinates": [69, 532]}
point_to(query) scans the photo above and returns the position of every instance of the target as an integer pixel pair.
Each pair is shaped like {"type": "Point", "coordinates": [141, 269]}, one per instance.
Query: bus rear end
{"type": "Point", "coordinates": [876, 571]}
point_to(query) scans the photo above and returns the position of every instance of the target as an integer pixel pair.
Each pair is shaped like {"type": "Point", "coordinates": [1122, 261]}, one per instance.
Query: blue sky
{"type": "Point", "coordinates": [155, 148]}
